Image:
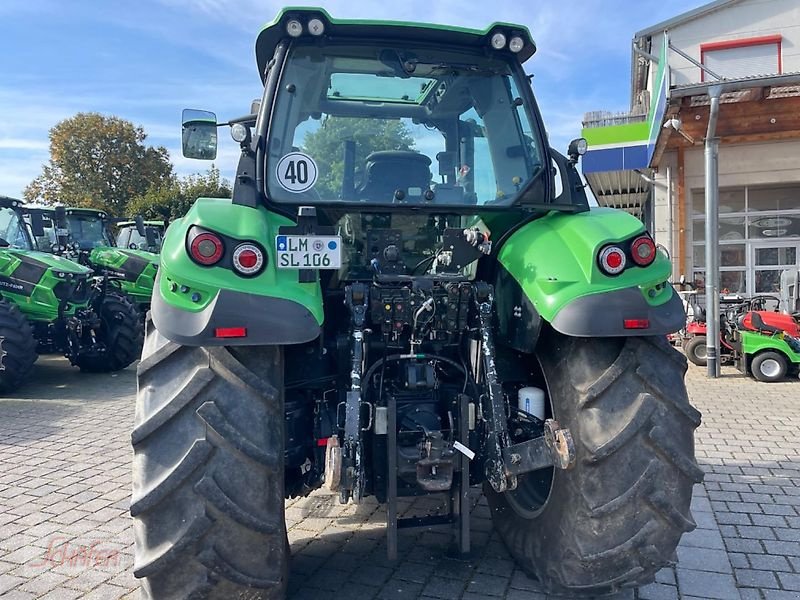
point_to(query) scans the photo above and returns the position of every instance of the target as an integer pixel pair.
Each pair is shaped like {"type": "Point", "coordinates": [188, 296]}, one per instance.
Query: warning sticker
{"type": "Point", "coordinates": [296, 172]}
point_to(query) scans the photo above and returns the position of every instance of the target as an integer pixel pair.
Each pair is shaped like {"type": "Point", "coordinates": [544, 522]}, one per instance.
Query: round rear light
{"type": "Point", "coordinates": [612, 260]}
{"type": "Point", "coordinates": [643, 251]}
{"type": "Point", "coordinates": [248, 259]}
{"type": "Point", "coordinates": [206, 249]}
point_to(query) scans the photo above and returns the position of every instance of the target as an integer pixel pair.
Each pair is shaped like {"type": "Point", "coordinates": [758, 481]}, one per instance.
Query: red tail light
{"type": "Point", "coordinates": [643, 251]}
{"type": "Point", "coordinates": [248, 259]}
{"type": "Point", "coordinates": [612, 260]}
{"type": "Point", "coordinates": [206, 249]}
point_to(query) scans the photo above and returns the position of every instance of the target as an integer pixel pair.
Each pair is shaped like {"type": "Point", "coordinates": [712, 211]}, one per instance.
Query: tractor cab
{"type": "Point", "coordinates": [140, 235]}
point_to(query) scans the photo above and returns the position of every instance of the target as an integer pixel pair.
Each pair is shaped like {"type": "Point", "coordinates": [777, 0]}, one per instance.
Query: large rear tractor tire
{"type": "Point", "coordinates": [208, 487]}
{"type": "Point", "coordinates": [17, 347]}
{"type": "Point", "coordinates": [122, 333]}
{"type": "Point", "coordinates": [615, 518]}
{"type": "Point", "coordinates": [695, 350]}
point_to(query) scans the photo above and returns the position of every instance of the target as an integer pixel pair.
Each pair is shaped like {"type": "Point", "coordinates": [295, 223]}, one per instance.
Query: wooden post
{"type": "Point", "coordinates": [680, 253]}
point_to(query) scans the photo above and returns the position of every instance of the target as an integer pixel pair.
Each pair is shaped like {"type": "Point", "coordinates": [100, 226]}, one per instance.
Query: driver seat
{"type": "Point", "coordinates": [759, 324]}
{"type": "Point", "coordinates": [390, 170]}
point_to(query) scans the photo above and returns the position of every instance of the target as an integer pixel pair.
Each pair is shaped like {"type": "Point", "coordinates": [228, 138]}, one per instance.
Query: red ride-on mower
{"type": "Point", "coordinates": [695, 333]}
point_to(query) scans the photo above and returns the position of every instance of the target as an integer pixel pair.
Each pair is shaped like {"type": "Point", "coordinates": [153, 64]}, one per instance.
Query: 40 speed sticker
{"type": "Point", "coordinates": [296, 172]}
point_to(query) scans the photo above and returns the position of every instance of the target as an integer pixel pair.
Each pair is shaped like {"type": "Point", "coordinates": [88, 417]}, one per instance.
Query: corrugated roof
{"type": "Point", "coordinates": [700, 11]}
{"type": "Point", "coordinates": [625, 190]}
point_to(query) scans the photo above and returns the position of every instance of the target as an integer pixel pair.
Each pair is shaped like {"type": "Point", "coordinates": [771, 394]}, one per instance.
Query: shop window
{"type": "Point", "coordinates": [731, 200]}
{"type": "Point", "coordinates": [777, 257]}
{"type": "Point", "coordinates": [742, 57]}
{"type": "Point", "coordinates": [774, 198]}
{"type": "Point", "coordinates": [768, 227]}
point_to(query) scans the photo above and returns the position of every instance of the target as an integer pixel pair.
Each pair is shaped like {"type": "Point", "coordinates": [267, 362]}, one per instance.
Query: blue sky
{"type": "Point", "coordinates": [146, 60]}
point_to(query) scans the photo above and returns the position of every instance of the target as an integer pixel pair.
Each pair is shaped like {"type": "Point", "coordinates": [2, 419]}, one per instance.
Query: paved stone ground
{"type": "Point", "coordinates": [65, 532]}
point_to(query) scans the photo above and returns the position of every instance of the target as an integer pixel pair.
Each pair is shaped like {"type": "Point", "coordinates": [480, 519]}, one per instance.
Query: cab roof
{"type": "Point", "coordinates": [272, 33]}
{"type": "Point", "coordinates": [89, 212]}
{"type": "Point", "coordinates": [8, 202]}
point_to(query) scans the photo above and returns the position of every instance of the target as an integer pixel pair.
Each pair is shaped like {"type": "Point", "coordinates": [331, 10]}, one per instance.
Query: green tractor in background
{"type": "Point", "coordinates": [140, 235]}
{"type": "Point", "coordinates": [408, 294]}
{"type": "Point", "coordinates": [84, 235]}
{"type": "Point", "coordinates": [53, 305]}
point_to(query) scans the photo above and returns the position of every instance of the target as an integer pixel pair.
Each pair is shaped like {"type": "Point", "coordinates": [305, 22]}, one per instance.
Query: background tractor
{"type": "Point", "coordinates": [53, 305]}
{"type": "Point", "coordinates": [84, 235]}
{"type": "Point", "coordinates": [140, 235]}
{"type": "Point", "coordinates": [407, 294]}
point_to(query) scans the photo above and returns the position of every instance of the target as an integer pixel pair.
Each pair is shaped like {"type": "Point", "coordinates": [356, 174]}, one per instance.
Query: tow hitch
{"type": "Point", "coordinates": [554, 449]}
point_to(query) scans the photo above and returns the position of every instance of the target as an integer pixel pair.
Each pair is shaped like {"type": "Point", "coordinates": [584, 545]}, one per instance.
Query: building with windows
{"type": "Point", "coordinates": [650, 160]}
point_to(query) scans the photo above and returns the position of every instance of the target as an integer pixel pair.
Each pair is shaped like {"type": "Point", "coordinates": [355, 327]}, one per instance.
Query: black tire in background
{"type": "Point", "coordinates": [695, 350]}
{"type": "Point", "coordinates": [121, 331]}
{"type": "Point", "coordinates": [769, 367]}
{"type": "Point", "coordinates": [208, 474]}
{"type": "Point", "coordinates": [615, 518]}
{"type": "Point", "coordinates": [17, 347]}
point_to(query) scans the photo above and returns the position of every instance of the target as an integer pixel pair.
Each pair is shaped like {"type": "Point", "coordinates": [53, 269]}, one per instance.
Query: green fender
{"type": "Point", "coordinates": [136, 269]}
{"type": "Point", "coordinates": [192, 303]}
{"type": "Point", "coordinates": [549, 272]}
{"type": "Point", "coordinates": [754, 343]}
{"type": "Point", "coordinates": [38, 282]}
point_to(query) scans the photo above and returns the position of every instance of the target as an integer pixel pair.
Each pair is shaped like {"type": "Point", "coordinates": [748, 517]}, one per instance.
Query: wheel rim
{"type": "Point", "coordinates": [770, 368]}
{"type": "Point", "coordinates": [700, 351]}
{"type": "Point", "coordinates": [532, 493]}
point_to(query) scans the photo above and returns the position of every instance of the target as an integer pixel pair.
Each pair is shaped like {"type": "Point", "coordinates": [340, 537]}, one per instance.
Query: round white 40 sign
{"type": "Point", "coordinates": [296, 172]}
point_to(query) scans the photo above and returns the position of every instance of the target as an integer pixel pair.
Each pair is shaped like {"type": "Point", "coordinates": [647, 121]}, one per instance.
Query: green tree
{"type": "Point", "coordinates": [99, 161]}
{"type": "Point", "coordinates": [173, 199]}
{"type": "Point", "coordinates": [326, 146]}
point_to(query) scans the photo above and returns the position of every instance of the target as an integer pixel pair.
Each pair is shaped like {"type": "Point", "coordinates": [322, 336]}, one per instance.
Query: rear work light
{"type": "Point", "coordinates": [206, 249]}
{"type": "Point", "coordinates": [612, 260]}
{"type": "Point", "coordinates": [643, 250]}
{"type": "Point", "coordinates": [248, 259]}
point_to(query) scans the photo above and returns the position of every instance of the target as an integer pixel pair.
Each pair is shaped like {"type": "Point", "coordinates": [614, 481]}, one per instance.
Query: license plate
{"type": "Point", "coordinates": [308, 251]}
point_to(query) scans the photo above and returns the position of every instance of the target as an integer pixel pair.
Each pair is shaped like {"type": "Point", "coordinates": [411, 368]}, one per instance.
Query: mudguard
{"type": "Point", "coordinates": [194, 305]}
{"type": "Point", "coordinates": [549, 272]}
{"type": "Point", "coordinates": [39, 283]}
{"type": "Point", "coordinates": [135, 269]}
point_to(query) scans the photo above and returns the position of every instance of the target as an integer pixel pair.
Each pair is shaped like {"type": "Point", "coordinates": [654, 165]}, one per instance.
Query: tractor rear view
{"type": "Point", "coordinates": [397, 302]}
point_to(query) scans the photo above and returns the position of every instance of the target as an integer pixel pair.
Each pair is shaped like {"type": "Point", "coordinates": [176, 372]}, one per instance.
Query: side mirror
{"type": "Point", "coordinates": [199, 134]}
{"type": "Point", "coordinates": [139, 221]}
{"type": "Point", "coordinates": [61, 217]}
{"type": "Point", "coordinates": [152, 239]}
{"type": "Point", "coordinates": [37, 223]}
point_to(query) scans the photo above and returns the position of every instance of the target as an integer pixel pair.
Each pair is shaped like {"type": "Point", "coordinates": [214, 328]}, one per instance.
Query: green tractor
{"type": "Point", "coordinates": [53, 305]}
{"type": "Point", "coordinates": [83, 235]}
{"type": "Point", "coordinates": [408, 294]}
{"type": "Point", "coordinates": [140, 235]}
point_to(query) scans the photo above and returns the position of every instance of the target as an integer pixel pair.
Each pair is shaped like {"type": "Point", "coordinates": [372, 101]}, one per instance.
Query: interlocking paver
{"type": "Point", "coordinates": [65, 483]}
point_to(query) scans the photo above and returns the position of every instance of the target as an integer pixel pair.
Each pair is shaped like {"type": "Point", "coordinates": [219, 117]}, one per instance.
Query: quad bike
{"type": "Point", "coordinates": [140, 235]}
{"type": "Point", "coordinates": [82, 235]}
{"type": "Point", "coordinates": [351, 319]}
{"type": "Point", "coordinates": [52, 305]}
{"type": "Point", "coordinates": [767, 345]}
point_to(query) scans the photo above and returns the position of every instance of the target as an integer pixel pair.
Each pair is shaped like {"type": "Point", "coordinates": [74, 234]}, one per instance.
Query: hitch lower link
{"type": "Point", "coordinates": [554, 449]}
{"type": "Point", "coordinates": [505, 461]}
